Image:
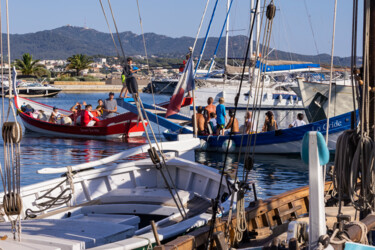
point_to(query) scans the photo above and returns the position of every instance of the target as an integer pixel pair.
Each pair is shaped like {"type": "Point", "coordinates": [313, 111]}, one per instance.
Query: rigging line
{"type": "Point", "coordinates": [10, 80]}
{"type": "Point", "coordinates": [263, 64]}
{"type": "Point", "coordinates": [148, 73]}
{"type": "Point", "coordinates": [257, 84]}
{"type": "Point", "coordinates": [114, 22]}
{"type": "Point", "coordinates": [265, 49]}
{"type": "Point", "coordinates": [139, 105]}
{"type": "Point", "coordinates": [236, 173]}
{"type": "Point", "coordinates": [331, 70]}
{"type": "Point", "coordinates": [221, 34]}
{"type": "Point", "coordinates": [109, 28]}
{"type": "Point", "coordinates": [205, 39]}
{"type": "Point", "coordinates": [143, 37]}
{"type": "Point", "coordinates": [354, 54]}
{"type": "Point", "coordinates": [214, 211]}
{"type": "Point", "coordinates": [200, 26]}
{"type": "Point", "coordinates": [161, 151]}
{"type": "Point", "coordinates": [312, 30]}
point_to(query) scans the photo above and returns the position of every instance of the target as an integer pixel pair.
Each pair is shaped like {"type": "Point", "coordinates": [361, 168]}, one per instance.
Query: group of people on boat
{"type": "Point", "coordinates": [212, 120]}
{"type": "Point", "coordinates": [82, 114]}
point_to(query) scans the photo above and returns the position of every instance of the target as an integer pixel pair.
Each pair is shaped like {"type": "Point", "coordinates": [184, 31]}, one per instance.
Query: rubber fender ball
{"type": "Point", "coordinates": [203, 145]}
{"type": "Point", "coordinates": [231, 148]}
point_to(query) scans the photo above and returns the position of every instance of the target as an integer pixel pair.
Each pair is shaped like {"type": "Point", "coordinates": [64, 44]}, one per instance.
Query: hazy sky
{"type": "Point", "coordinates": [176, 18]}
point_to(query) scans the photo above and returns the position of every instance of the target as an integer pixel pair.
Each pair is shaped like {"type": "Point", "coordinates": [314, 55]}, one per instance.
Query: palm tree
{"type": "Point", "coordinates": [28, 66]}
{"type": "Point", "coordinates": [79, 62]}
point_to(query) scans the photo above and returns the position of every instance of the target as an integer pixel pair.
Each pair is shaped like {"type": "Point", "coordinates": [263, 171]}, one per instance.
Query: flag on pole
{"type": "Point", "coordinates": [185, 84]}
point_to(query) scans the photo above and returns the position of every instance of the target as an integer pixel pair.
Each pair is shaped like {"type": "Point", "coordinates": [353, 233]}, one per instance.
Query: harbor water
{"type": "Point", "coordinates": [272, 174]}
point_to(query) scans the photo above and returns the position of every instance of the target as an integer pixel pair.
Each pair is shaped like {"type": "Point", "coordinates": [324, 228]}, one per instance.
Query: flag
{"type": "Point", "coordinates": [185, 84]}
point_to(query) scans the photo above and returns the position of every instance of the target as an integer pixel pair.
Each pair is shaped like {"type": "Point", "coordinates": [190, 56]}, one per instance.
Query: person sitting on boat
{"type": "Point", "coordinates": [88, 119]}
{"type": "Point", "coordinates": [55, 115]}
{"type": "Point", "coordinates": [201, 121]}
{"type": "Point", "coordinates": [248, 126]}
{"type": "Point", "coordinates": [220, 117]}
{"type": "Point", "coordinates": [212, 124]}
{"type": "Point", "coordinates": [99, 108]}
{"type": "Point", "coordinates": [42, 116]}
{"type": "Point", "coordinates": [233, 123]}
{"type": "Point", "coordinates": [270, 123]}
{"type": "Point", "coordinates": [298, 122]}
{"type": "Point", "coordinates": [110, 106]}
{"type": "Point", "coordinates": [77, 112]}
{"type": "Point", "coordinates": [131, 82]}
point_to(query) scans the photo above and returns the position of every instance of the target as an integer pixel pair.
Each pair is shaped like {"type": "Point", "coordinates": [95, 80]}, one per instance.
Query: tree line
{"type": "Point", "coordinates": [30, 67]}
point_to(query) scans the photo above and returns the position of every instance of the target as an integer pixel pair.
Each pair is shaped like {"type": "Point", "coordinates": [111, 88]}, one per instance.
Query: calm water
{"type": "Point", "coordinates": [272, 174]}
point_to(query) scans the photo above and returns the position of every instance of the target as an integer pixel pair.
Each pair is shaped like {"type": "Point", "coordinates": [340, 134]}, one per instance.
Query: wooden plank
{"type": "Point", "coordinates": [252, 213]}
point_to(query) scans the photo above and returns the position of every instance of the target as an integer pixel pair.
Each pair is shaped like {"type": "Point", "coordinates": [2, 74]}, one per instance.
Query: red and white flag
{"type": "Point", "coordinates": [185, 84]}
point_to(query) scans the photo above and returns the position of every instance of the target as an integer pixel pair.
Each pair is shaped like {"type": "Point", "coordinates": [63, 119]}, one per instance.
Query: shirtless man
{"type": "Point", "coordinates": [235, 129]}
{"type": "Point", "coordinates": [211, 108]}
{"type": "Point", "coordinates": [201, 121]}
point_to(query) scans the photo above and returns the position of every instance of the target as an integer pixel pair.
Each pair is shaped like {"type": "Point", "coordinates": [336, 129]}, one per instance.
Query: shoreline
{"type": "Point", "coordinates": [93, 88]}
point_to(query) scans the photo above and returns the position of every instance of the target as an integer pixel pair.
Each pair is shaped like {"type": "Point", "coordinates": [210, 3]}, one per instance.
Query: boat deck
{"type": "Point", "coordinates": [112, 217]}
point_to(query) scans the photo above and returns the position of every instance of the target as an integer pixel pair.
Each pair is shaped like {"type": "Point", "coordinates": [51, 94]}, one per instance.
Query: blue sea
{"type": "Point", "coordinates": [272, 174]}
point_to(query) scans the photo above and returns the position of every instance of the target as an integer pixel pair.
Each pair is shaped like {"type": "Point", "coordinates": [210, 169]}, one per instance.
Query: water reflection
{"type": "Point", "coordinates": [272, 174]}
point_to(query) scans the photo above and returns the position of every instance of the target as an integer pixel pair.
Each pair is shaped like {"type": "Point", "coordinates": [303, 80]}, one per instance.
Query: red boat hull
{"type": "Point", "coordinates": [124, 125]}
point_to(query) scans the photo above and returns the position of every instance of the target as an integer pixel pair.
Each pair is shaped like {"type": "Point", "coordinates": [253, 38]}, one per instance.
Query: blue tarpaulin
{"type": "Point", "coordinates": [270, 68]}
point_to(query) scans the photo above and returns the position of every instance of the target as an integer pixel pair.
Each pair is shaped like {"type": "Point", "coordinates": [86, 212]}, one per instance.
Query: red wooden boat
{"type": "Point", "coordinates": [123, 125]}
{"type": "Point", "coordinates": [118, 126]}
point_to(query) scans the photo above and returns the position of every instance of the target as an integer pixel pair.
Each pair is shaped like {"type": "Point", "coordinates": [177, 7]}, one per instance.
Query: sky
{"type": "Point", "coordinates": [300, 26]}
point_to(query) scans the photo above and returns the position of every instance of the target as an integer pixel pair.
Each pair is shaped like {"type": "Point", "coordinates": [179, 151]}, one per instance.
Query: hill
{"type": "Point", "coordinates": [60, 43]}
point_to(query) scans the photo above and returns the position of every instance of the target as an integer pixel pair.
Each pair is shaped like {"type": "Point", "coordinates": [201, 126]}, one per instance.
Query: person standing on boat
{"type": "Point", "coordinates": [201, 121]}
{"type": "Point", "coordinates": [110, 106]}
{"type": "Point", "coordinates": [88, 119]}
{"type": "Point", "coordinates": [298, 122]}
{"type": "Point", "coordinates": [220, 117]}
{"type": "Point", "coordinates": [130, 80]}
{"type": "Point", "coordinates": [233, 123]}
{"type": "Point", "coordinates": [211, 108]}
{"type": "Point", "coordinates": [270, 123]}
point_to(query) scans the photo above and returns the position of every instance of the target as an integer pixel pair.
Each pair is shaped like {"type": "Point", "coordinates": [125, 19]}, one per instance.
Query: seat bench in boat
{"type": "Point", "coordinates": [143, 195]}
{"type": "Point", "coordinates": [67, 233]}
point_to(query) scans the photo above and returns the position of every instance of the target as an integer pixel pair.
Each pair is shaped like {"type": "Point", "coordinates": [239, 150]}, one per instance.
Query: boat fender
{"type": "Point", "coordinates": [323, 151]}
{"type": "Point", "coordinates": [203, 145]}
{"type": "Point", "coordinates": [231, 147]}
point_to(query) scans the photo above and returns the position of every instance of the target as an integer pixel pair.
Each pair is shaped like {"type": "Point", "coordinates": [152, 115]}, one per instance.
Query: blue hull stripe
{"type": "Point", "coordinates": [337, 124]}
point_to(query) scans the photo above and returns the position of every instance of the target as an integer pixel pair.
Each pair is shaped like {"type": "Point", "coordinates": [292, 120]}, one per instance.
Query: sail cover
{"type": "Point", "coordinates": [185, 84]}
